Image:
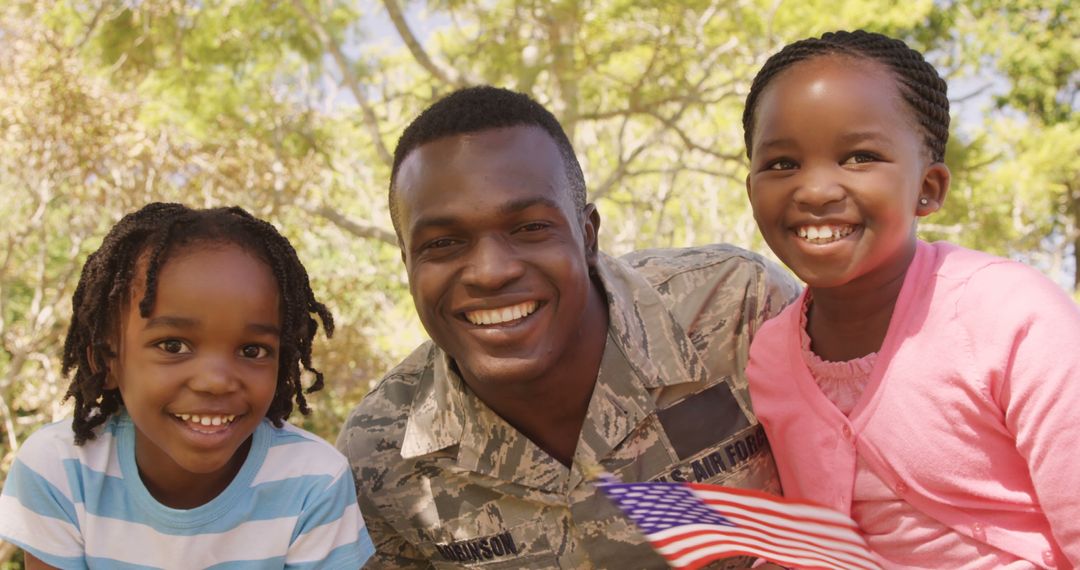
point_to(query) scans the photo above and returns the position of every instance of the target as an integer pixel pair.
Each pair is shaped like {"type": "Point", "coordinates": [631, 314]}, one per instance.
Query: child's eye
{"type": "Point", "coordinates": [861, 158]}
{"type": "Point", "coordinates": [254, 351]}
{"type": "Point", "coordinates": [781, 164]}
{"type": "Point", "coordinates": [174, 346]}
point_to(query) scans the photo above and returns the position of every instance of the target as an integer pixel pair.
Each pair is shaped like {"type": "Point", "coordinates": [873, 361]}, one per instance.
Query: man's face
{"type": "Point", "coordinates": [498, 255]}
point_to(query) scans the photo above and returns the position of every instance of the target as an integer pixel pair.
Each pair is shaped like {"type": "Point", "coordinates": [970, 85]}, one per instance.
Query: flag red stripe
{"type": "Point", "coordinates": [734, 536]}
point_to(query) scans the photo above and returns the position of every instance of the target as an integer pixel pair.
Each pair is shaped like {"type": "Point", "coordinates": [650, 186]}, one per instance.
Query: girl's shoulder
{"type": "Point", "coordinates": [986, 287]}
{"type": "Point", "coordinates": [294, 449]}
{"type": "Point", "coordinates": [55, 443]}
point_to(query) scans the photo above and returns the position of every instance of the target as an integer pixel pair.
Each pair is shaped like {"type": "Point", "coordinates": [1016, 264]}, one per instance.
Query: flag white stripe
{"type": "Point", "coordinates": [757, 520]}
{"type": "Point", "coordinates": [783, 558]}
{"type": "Point", "coordinates": [783, 509]}
{"type": "Point", "coordinates": [849, 541]}
{"type": "Point", "coordinates": [736, 536]}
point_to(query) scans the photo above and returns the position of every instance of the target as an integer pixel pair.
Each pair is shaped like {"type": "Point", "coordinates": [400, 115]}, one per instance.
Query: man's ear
{"type": "Point", "coordinates": [748, 185]}
{"type": "Point", "coordinates": [935, 186]}
{"type": "Point", "coordinates": [590, 226]}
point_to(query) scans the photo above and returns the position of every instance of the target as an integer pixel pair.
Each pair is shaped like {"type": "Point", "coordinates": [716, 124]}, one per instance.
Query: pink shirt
{"type": "Point", "coordinates": [969, 414]}
{"type": "Point", "coordinates": [900, 534]}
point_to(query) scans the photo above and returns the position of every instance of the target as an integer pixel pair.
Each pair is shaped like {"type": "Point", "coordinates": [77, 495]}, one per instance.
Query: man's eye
{"type": "Point", "coordinates": [534, 227]}
{"type": "Point", "coordinates": [173, 346]}
{"type": "Point", "coordinates": [254, 351]}
{"type": "Point", "coordinates": [439, 243]}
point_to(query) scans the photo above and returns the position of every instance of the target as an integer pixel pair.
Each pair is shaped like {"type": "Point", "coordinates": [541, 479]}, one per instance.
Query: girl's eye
{"type": "Point", "coordinates": [173, 346]}
{"type": "Point", "coordinates": [254, 351]}
{"type": "Point", "coordinates": [782, 164]}
{"type": "Point", "coordinates": [861, 158]}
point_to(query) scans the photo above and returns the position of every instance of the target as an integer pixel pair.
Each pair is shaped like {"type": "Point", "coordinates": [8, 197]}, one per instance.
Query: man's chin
{"type": "Point", "coordinates": [503, 371]}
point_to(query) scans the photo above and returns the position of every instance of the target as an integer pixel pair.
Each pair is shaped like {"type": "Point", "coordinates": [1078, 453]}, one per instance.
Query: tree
{"type": "Point", "coordinates": [291, 109]}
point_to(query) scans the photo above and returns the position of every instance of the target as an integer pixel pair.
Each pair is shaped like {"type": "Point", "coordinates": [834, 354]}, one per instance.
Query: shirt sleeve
{"type": "Point", "coordinates": [331, 532]}
{"type": "Point", "coordinates": [776, 289]}
{"type": "Point", "coordinates": [37, 510]}
{"type": "Point", "coordinates": [391, 550]}
{"type": "Point", "coordinates": [1030, 334]}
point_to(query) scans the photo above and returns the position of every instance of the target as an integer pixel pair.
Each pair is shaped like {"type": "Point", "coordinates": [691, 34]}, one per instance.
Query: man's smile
{"type": "Point", "coordinates": [501, 315]}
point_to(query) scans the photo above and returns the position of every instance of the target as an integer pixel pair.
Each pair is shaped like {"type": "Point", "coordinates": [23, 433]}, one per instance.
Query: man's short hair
{"type": "Point", "coordinates": [480, 108]}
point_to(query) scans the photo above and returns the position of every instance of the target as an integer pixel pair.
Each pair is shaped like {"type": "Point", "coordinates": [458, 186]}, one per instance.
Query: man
{"type": "Point", "coordinates": [550, 361]}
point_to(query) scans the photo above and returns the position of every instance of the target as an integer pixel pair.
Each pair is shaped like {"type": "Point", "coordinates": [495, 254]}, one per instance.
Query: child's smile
{"type": "Point", "coordinates": [198, 376]}
{"type": "Point", "coordinates": [838, 169]}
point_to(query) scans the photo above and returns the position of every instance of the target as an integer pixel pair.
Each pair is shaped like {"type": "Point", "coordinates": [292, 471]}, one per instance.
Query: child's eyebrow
{"type": "Point", "coordinates": [861, 136]}
{"type": "Point", "coordinates": [262, 328]}
{"type": "Point", "coordinates": [166, 321]}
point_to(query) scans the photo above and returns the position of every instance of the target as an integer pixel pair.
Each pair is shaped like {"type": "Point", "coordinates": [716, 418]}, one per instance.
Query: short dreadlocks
{"type": "Point", "coordinates": [156, 232]}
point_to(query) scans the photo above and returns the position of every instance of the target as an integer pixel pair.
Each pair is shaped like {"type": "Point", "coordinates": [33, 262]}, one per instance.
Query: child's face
{"type": "Point", "coordinates": [198, 376]}
{"type": "Point", "coordinates": [838, 171]}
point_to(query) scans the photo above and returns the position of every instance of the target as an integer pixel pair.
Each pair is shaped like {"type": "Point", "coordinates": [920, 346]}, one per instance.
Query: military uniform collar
{"type": "Point", "coordinates": [654, 345]}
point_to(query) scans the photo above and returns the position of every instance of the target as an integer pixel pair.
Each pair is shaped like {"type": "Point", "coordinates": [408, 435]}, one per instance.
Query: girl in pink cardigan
{"type": "Point", "coordinates": [930, 391]}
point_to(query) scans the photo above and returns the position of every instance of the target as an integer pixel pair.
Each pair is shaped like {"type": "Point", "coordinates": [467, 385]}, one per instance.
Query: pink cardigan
{"type": "Point", "coordinates": [972, 413]}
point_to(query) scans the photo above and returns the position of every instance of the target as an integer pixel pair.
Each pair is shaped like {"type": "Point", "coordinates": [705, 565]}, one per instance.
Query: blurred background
{"type": "Point", "coordinates": [292, 108]}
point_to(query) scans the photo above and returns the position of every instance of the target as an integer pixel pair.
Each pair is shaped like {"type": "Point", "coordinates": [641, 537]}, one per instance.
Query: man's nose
{"type": "Point", "coordinates": [493, 262]}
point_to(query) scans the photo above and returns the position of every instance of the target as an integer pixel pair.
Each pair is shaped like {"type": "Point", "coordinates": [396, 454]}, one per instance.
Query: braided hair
{"type": "Point", "coordinates": [480, 108]}
{"type": "Point", "coordinates": [152, 234]}
{"type": "Point", "coordinates": [924, 91]}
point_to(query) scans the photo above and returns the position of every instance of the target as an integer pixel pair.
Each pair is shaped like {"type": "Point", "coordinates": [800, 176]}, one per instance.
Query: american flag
{"type": "Point", "coordinates": [692, 524]}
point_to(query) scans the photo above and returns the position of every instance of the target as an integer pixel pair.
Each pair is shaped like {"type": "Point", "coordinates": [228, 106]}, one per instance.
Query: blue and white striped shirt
{"type": "Point", "coordinates": [291, 505]}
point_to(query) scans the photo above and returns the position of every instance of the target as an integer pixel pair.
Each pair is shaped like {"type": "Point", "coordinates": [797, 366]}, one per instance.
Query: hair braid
{"type": "Point", "coordinates": [922, 88]}
{"type": "Point", "coordinates": [156, 232]}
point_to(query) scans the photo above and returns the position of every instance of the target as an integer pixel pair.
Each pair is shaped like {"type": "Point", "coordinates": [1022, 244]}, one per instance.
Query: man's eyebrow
{"type": "Point", "coordinates": [434, 221]}
{"type": "Point", "coordinates": [526, 203]}
{"type": "Point", "coordinates": [508, 208]}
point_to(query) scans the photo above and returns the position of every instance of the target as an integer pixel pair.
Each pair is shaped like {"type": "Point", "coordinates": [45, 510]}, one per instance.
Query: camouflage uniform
{"type": "Point", "coordinates": [445, 482]}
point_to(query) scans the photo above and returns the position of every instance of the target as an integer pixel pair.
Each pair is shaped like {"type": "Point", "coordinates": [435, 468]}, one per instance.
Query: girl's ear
{"type": "Point", "coordinates": [110, 381]}
{"type": "Point", "coordinates": [935, 186]}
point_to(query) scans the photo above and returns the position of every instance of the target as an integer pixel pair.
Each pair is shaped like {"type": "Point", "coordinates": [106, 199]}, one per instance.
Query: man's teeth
{"type": "Point", "coordinates": [824, 234]}
{"type": "Point", "coordinates": [207, 420]}
{"type": "Point", "coordinates": [501, 315]}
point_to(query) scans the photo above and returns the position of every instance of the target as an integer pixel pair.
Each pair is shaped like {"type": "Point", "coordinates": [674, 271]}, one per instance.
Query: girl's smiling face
{"type": "Point", "coordinates": [198, 376]}
{"type": "Point", "coordinates": [837, 173]}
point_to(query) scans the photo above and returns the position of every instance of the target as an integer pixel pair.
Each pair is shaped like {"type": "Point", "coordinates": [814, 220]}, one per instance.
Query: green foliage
{"type": "Point", "coordinates": [288, 108]}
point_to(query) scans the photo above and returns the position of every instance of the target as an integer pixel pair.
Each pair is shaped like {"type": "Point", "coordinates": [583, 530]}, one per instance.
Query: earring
{"type": "Point", "coordinates": [923, 201]}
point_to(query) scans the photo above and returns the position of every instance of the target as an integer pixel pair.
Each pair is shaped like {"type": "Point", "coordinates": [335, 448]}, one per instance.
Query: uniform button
{"type": "Point", "coordinates": [846, 430]}
{"type": "Point", "coordinates": [978, 532]}
{"type": "Point", "coordinates": [901, 488]}
{"type": "Point", "coordinates": [1049, 560]}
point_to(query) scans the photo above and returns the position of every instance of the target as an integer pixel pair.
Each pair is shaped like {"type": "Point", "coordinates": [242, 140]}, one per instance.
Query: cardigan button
{"type": "Point", "coordinates": [1048, 559]}
{"type": "Point", "coordinates": [846, 430]}
{"type": "Point", "coordinates": [901, 488]}
{"type": "Point", "coordinates": [978, 532]}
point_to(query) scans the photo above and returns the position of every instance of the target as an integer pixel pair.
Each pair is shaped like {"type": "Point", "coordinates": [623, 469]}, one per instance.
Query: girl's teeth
{"type": "Point", "coordinates": [207, 420]}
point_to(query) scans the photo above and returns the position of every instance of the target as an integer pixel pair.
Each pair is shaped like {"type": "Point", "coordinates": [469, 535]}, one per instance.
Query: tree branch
{"type": "Point", "coordinates": [358, 229]}
{"type": "Point", "coordinates": [348, 77]}
{"type": "Point", "coordinates": [417, 50]}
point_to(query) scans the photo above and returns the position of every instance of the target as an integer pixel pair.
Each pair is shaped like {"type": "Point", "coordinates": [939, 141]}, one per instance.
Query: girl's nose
{"type": "Point", "coordinates": [214, 376]}
{"type": "Point", "coordinates": [818, 187]}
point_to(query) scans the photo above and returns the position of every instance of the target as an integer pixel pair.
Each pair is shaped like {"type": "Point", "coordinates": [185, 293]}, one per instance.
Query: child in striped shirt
{"type": "Point", "coordinates": [188, 334]}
